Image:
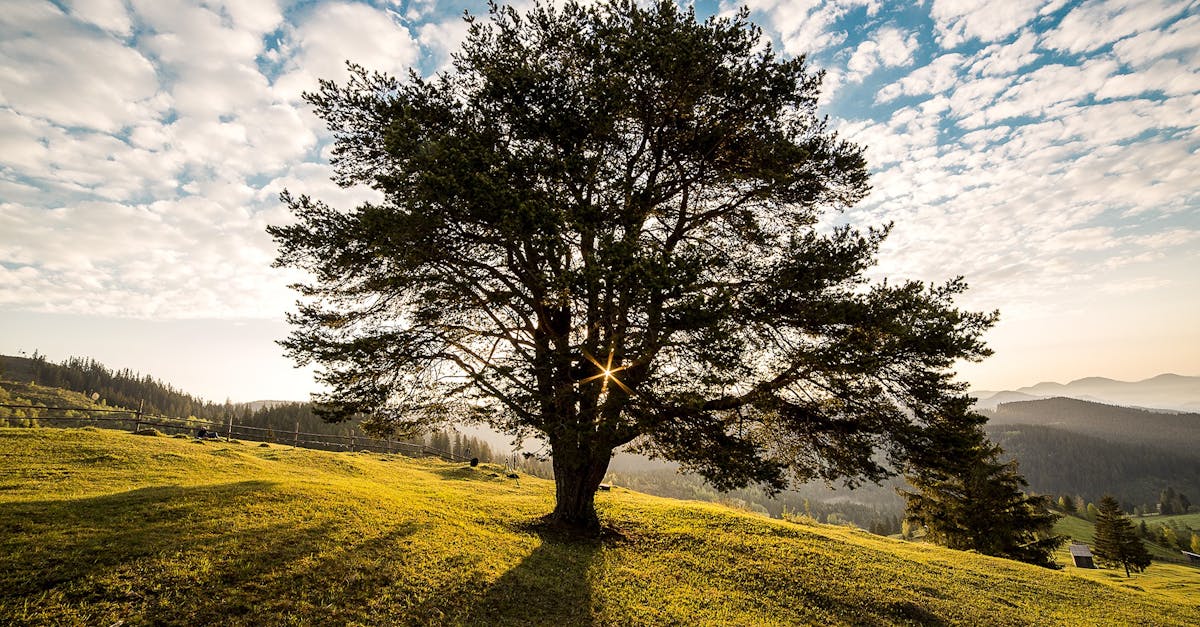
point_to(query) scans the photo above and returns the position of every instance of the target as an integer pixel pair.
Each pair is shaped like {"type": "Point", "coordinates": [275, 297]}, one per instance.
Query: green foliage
{"type": "Point", "coordinates": [601, 228]}
{"type": "Point", "coordinates": [1172, 502]}
{"type": "Point", "coordinates": [1167, 536]}
{"type": "Point", "coordinates": [1116, 542]}
{"type": "Point", "coordinates": [101, 528]}
{"type": "Point", "coordinates": [1195, 543]}
{"type": "Point", "coordinates": [967, 498]}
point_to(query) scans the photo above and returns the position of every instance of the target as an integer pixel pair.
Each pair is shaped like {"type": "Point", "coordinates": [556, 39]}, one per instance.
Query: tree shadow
{"type": "Point", "coordinates": [219, 554]}
{"type": "Point", "coordinates": [550, 586]}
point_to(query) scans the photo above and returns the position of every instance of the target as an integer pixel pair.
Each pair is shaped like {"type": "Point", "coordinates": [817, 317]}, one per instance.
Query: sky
{"type": "Point", "coordinates": [1047, 151]}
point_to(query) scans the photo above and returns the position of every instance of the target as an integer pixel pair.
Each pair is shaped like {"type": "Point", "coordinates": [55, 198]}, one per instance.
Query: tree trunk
{"type": "Point", "coordinates": [577, 476]}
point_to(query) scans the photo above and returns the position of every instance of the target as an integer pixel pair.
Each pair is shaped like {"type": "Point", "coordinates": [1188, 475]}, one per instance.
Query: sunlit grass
{"type": "Point", "coordinates": [98, 527]}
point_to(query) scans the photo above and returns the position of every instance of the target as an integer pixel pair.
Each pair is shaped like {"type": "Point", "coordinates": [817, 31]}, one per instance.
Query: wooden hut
{"type": "Point", "coordinates": [1082, 555]}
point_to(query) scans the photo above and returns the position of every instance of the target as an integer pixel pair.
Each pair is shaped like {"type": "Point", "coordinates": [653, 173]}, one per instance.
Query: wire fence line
{"type": "Point", "coordinates": [228, 431]}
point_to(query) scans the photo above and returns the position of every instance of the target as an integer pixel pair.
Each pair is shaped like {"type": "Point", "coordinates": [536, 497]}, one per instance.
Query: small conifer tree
{"type": "Point", "coordinates": [1116, 543]}
{"type": "Point", "coordinates": [968, 499]}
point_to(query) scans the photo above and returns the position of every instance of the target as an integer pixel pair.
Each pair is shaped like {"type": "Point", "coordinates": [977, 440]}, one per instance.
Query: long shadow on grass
{"type": "Point", "coordinates": [549, 587]}
{"type": "Point", "coordinates": [55, 541]}
{"type": "Point", "coordinates": [163, 555]}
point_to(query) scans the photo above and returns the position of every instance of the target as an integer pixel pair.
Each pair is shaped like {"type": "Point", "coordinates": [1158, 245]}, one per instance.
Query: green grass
{"type": "Point", "coordinates": [1191, 520]}
{"type": "Point", "coordinates": [98, 527]}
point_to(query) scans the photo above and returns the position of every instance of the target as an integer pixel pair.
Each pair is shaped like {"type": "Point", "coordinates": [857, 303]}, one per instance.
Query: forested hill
{"type": "Point", "coordinates": [117, 388]}
{"type": "Point", "coordinates": [1056, 461]}
{"type": "Point", "coordinates": [127, 389]}
{"type": "Point", "coordinates": [40, 382]}
{"type": "Point", "coordinates": [1175, 432]}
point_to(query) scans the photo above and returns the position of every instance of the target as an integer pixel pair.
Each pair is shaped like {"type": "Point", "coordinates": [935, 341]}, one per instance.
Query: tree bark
{"type": "Point", "coordinates": [577, 476]}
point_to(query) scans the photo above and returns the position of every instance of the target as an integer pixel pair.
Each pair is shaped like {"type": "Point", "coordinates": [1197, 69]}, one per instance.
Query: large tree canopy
{"type": "Point", "coordinates": [604, 226]}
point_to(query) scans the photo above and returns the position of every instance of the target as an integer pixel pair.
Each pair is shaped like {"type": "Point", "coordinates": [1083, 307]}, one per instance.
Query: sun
{"type": "Point", "coordinates": [607, 372]}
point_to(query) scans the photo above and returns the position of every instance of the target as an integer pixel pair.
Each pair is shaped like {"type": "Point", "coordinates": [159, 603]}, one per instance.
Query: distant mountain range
{"type": "Point", "coordinates": [1169, 392]}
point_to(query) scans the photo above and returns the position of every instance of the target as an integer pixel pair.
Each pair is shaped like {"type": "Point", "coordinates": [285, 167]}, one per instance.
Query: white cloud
{"type": "Point", "coordinates": [958, 21]}
{"type": "Point", "coordinates": [442, 38]}
{"type": "Point", "coordinates": [890, 47]}
{"type": "Point", "coordinates": [152, 201]}
{"type": "Point", "coordinates": [1100, 22]}
{"type": "Point", "coordinates": [1002, 59]}
{"type": "Point", "coordinates": [319, 46]}
{"type": "Point", "coordinates": [940, 75]}
{"type": "Point", "coordinates": [804, 26]}
{"type": "Point", "coordinates": [56, 68]}
{"type": "Point", "coordinates": [169, 259]}
{"type": "Point", "coordinates": [1181, 37]}
{"type": "Point", "coordinates": [107, 14]}
{"type": "Point", "coordinates": [1166, 75]}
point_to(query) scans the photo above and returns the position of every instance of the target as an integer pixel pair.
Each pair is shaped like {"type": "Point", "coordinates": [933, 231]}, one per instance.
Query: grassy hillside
{"type": "Point", "coordinates": [16, 393]}
{"type": "Point", "coordinates": [98, 527]}
{"type": "Point", "coordinates": [1083, 531]}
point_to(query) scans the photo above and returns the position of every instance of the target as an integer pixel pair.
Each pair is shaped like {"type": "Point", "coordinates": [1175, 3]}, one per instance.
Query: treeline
{"type": "Point", "coordinates": [121, 388]}
{"type": "Point", "coordinates": [1170, 503]}
{"type": "Point", "coordinates": [1056, 461]}
{"type": "Point", "coordinates": [290, 417]}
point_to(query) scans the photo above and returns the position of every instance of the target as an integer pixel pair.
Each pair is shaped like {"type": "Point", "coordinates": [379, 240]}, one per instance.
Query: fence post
{"type": "Point", "coordinates": [296, 441]}
{"type": "Point", "coordinates": [229, 429]}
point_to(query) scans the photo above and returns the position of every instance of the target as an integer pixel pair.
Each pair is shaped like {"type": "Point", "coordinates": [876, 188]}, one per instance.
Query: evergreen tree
{"type": "Point", "coordinates": [1115, 540]}
{"type": "Point", "coordinates": [1166, 502]}
{"type": "Point", "coordinates": [968, 499]}
{"type": "Point", "coordinates": [603, 227]}
{"type": "Point", "coordinates": [1066, 503]}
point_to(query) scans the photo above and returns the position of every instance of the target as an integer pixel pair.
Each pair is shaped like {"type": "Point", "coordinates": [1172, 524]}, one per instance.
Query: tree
{"type": "Point", "coordinates": [602, 228]}
{"type": "Point", "coordinates": [1166, 501]}
{"type": "Point", "coordinates": [1171, 502]}
{"type": "Point", "coordinates": [1168, 537]}
{"type": "Point", "coordinates": [1066, 503]}
{"type": "Point", "coordinates": [1195, 543]}
{"type": "Point", "coordinates": [1115, 540]}
{"type": "Point", "coordinates": [966, 498]}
